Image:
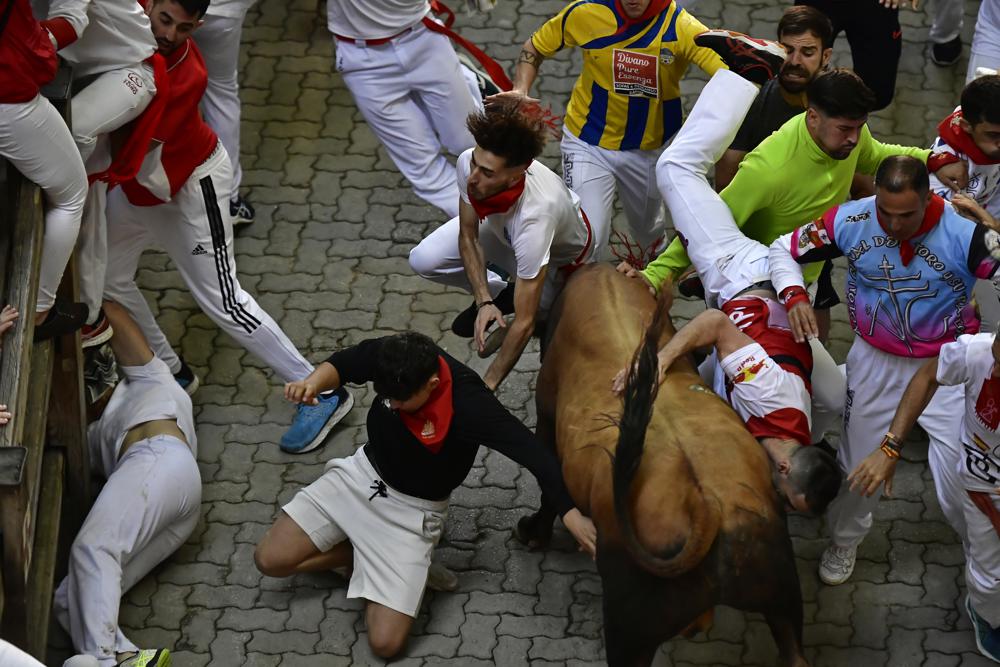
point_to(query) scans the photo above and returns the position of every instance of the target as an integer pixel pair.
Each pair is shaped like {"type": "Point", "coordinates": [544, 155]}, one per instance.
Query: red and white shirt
{"type": "Point", "coordinates": [183, 138]}
{"type": "Point", "coordinates": [969, 361]}
{"type": "Point", "coordinates": [767, 383]}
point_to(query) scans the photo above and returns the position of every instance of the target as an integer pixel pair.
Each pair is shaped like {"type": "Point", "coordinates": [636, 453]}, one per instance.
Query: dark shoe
{"type": "Point", "coordinates": [691, 287]}
{"type": "Point", "coordinates": [947, 53]}
{"type": "Point", "coordinates": [487, 86]}
{"type": "Point", "coordinates": [241, 211]}
{"type": "Point", "coordinates": [464, 324]}
{"type": "Point", "coordinates": [187, 379]}
{"type": "Point", "coordinates": [756, 60]}
{"type": "Point", "coordinates": [98, 333]}
{"type": "Point", "coordinates": [64, 317]}
{"type": "Point", "coordinates": [100, 373]}
{"type": "Point", "coordinates": [987, 637]}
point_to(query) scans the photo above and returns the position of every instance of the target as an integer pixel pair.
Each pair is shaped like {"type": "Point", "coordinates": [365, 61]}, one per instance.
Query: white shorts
{"type": "Point", "coordinates": [393, 534]}
{"type": "Point", "coordinates": [772, 401]}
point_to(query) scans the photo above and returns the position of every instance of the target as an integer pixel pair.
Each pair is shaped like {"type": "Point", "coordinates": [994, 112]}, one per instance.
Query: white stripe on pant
{"type": "Point", "coordinates": [875, 384]}
{"type": "Point", "coordinates": [414, 96]}
{"type": "Point", "coordinates": [194, 219]}
{"type": "Point", "coordinates": [146, 510]}
{"type": "Point", "coordinates": [36, 141]}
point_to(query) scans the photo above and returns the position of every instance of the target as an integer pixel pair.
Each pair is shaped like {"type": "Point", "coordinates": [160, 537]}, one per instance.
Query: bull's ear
{"type": "Point", "coordinates": [784, 467]}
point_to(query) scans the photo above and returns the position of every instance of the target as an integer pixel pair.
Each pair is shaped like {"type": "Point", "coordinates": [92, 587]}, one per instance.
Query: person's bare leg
{"type": "Point", "coordinates": [388, 629]}
{"type": "Point", "coordinates": [128, 344]}
{"type": "Point", "coordinates": [286, 550]}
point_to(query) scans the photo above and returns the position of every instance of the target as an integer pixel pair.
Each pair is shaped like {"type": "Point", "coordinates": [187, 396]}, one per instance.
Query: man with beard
{"type": "Point", "coordinates": [804, 169]}
{"type": "Point", "coordinates": [807, 36]}
{"type": "Point", "coordinates": [515, 214]}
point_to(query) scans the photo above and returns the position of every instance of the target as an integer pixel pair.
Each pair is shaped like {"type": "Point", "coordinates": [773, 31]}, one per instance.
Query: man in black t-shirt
{"type": "Point", "coordinates": [382, 510]}
{"type": "Point", "coordinates": [807, 36]}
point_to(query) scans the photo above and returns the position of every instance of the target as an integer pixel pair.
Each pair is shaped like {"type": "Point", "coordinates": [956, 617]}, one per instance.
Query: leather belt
{"type": "Point", "coordinates": [371, 42]}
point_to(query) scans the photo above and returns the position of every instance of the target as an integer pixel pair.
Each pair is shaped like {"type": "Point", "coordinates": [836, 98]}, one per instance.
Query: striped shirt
{"type": "Point", "coordinates": [628, 95]}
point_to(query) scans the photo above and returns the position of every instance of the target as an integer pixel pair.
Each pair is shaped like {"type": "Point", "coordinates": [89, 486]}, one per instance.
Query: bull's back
{"type": "Point", "coordinates": [697, 453]}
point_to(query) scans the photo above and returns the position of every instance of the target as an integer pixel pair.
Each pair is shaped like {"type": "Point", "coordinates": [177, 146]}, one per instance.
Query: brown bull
{"type": "Point", "coordinates": [686, 512]}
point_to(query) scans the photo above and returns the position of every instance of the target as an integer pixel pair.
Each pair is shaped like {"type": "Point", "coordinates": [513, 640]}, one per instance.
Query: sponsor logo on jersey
{"type": "Point", "coordinates": [749, 371]}
{"type": "Point", "coordinates": [635, 74]}
{"type": "Point", "coordinates": [666, 56]}
{"type": "Point", "coordinates": [859, 217]}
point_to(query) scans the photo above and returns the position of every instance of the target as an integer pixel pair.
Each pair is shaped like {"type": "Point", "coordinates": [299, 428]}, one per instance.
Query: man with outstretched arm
{"type": "Point", "coordinates": [972, 362]}
{"type": "Point", "coordinates": [382, 510]}
{"type": "Point", "coordinates": [514, 213]}
{"type": "Point", "coordinates": [912, 262]}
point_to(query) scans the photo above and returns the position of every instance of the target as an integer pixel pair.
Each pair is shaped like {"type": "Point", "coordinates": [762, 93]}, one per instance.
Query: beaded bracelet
{"type": "Point", "coordinates": [891, 446]}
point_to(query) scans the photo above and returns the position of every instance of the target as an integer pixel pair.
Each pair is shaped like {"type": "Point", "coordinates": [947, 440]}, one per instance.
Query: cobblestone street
{"type": "Point", "coordinates": [327, 259]}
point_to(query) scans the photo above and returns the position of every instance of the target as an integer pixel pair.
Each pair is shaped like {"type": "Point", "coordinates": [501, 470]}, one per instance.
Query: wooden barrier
{"type": "Point", "coordinates": [44, 462]}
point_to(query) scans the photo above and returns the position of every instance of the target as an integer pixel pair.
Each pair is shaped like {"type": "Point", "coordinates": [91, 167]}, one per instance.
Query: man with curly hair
{"type": "Point", "coordinates": [515, 214]}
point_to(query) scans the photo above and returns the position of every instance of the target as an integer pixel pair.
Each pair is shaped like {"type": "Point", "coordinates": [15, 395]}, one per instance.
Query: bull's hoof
{"type": "Point", "coordinates": [530, 534]}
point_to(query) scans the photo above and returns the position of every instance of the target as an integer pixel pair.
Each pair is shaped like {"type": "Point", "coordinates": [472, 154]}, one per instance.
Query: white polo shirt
{"type": "Point", "coordinates": [544, 226]}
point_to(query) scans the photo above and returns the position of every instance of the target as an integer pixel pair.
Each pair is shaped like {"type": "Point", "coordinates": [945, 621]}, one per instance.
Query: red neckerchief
{"type": "Point", "coordinates": [430, 424]}
{"type": "Point", "coordinates": [129, 159]}
{"type": "Point", "coordinates": [654, 8]}
{"type": "Point", "coordinates": [931, 217]}
{"type": "Point", "coordinates": [498, 203]}
{"type": "Point", "coordinates": [951, 131]}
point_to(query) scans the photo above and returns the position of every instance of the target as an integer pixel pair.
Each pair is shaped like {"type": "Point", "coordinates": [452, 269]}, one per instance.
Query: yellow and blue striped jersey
{"type": "Point", "coordinates": [628, 94]}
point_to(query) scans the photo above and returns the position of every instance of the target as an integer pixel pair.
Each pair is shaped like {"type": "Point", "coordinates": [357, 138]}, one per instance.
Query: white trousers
{"type": "Point", "coordinates": [414, 96]}
{"type": "Point", "coordinates": [107, 103]}
{"type": "Point", "coordinates": [146, 510]}
{"type": "Point", "coordinates": [727, 260]}
{"type": "Point", "coordinates": [35, 139]}
{"type": "Point", "coordinates": [982, 560]}
{"type": "Point", "coordinates": [875, 384]}
{"type": "Point", "coordinates": [949, 15]}
{"type": "Point", "coordinates": [12, 656]}
{"type": "Point", "coordinates": [218, 40]}
{"type": "Point", "coordinates": [977, 60]}
{"type": "Point", "coordinates": [195, 230]}
{"type": "Point", "coordinates": [596, 173]}
{"type": "Point", "coordinates": [437, 258]}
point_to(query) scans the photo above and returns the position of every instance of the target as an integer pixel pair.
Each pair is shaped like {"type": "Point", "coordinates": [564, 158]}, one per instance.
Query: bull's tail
{"type": "Point", "coordinates": [641, 388]}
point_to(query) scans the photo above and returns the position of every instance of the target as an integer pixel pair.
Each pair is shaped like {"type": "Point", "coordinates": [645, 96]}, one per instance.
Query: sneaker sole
{"type": "Point", "coordinates": [193, 385]}
{"type": "Point", "coordinates": [338, 415]}
{"type": "Point", "coordinates": [239, 222]}
{"type": "Point", "coordinates": [99, 339]}
{"type": "Point", "coordinates": [834, 582]}
{"type": "Point", "coordinates": [975, 630]}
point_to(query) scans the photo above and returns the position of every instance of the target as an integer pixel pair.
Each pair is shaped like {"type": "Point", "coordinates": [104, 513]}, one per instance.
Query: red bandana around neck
{"type": "Point", "coordinates": [430, 424]}
{"type": "Point", "coordinates": [654, 8]}
{"type": "Point", "coordinates": [931, 217]}
{"type": "Point", "coordinates": [951, 131]}
{"type": "Point", "coordinates": [500, 202]}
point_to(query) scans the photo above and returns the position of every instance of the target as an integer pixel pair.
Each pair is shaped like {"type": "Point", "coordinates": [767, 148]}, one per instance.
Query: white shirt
{"type": "Point", "coordinates": [373, 19]}
{"type": "Point", "coordinates": [986, 38]}
{"type": "Point", "coordinates": [984, 179]}
{"type": "Point", "coordinates": [543, 227]}
{"type": "Point", "coordinates": [147, 393]}
{"type": "Point", "coordinates": [969, 361]}
{"type": "Point", "coordinates": [112, 33]}
{"type": "Point", "coordinates": [234, 9]}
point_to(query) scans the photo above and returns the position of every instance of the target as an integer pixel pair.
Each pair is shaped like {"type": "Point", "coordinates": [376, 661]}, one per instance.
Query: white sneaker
{"type": "Point", "coordinates": [837, 564]}
{"type": "Point", "coordinates": [440, 578]}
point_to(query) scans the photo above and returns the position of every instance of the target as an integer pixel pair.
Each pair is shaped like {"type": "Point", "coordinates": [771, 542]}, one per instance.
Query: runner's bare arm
{"type": "Point", "coordinates": [527, 296]}
{"type": "Point", "coordinates": [528, 62]}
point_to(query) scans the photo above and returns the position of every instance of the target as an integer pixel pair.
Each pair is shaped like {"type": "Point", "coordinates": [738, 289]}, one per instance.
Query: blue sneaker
{"type": "Point", "coordinates": [987, 638]}
{"type": "Point", "coordinates": [313, 422]}
{"type": "Point", "coordinates": [187, 379]}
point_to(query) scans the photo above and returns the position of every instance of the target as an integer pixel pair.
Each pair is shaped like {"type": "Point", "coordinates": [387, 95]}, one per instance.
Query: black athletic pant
{"type": "Point", "coordinates": [875, 37]}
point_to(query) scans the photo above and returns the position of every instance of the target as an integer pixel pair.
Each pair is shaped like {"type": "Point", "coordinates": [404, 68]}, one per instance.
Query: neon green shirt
{"type": "Point", "coordinates": [785, 182]}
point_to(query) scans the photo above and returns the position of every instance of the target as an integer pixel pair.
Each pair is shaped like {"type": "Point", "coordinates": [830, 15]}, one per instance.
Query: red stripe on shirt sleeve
{"type": "Point", "coordinates": [62, 30]}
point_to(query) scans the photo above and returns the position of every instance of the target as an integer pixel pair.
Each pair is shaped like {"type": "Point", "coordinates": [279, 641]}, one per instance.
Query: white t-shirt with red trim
{"type": "Point", "coordinates": [544, 226]}
{"type": "Point", "coordinates": [969, 361]}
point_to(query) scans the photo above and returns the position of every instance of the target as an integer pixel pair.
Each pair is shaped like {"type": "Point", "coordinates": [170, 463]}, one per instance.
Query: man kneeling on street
{"type": "Point", "coordinates": [381, 511]}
